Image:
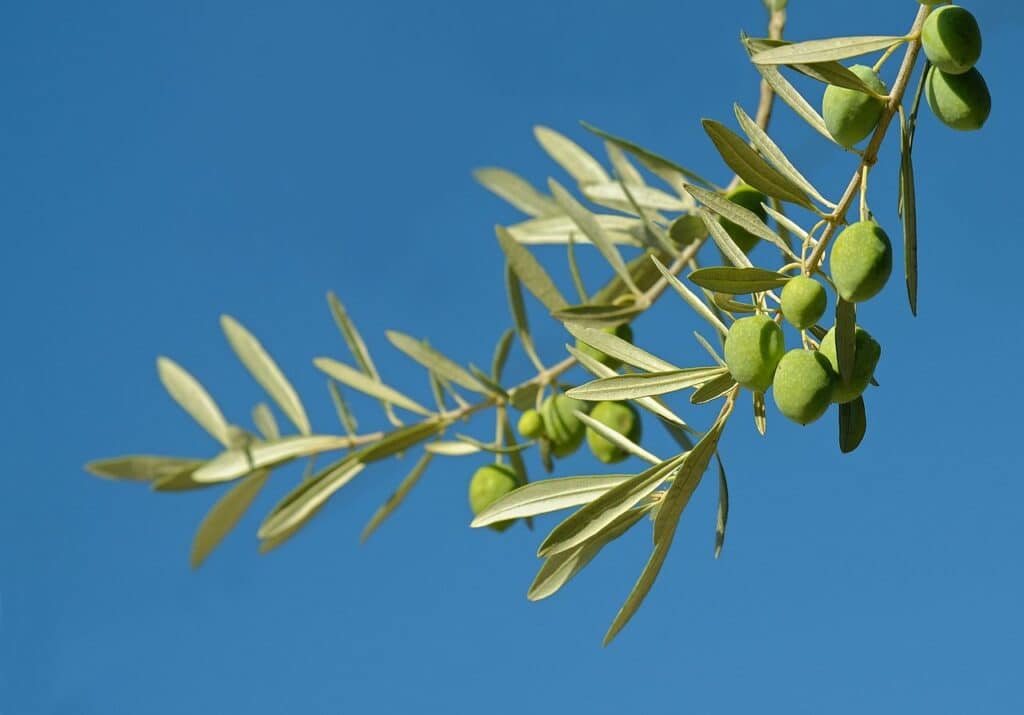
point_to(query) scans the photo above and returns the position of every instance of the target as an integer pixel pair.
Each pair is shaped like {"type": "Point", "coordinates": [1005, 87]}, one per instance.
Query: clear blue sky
{"type": "Point", "coordinates": [166, 162]}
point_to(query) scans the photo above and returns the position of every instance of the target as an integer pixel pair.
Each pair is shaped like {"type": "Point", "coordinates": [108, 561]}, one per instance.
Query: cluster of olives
{"type": "Point", "coordinates": [956, 91]}
{"type": "Point", "coordinates": [805, 382]}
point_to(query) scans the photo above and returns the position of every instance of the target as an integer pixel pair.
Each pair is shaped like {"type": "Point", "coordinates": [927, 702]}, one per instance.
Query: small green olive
{"type": "Point", "coordinates": [621, 417]}
{"type": "Point", "coordinates": [861, 261]}
{"type": "Point", "coordinates": [960, 101]}
{"type": "Point", "coordinates": [867, 351]}
{"type": "Point", "coordinates": [750, 199]}
{"type": "Point", "coordinates": [951, 39]}
{"type": "Point", "coordinates": [490, 483]}
{"type": "Point", "coordinates": [753, 348]}
{"type": "Point", "coordinates": [623, 331]}
{"type": "Point", "coordinates": [530, 424]}
{"type": "Point", "coordinates": [686, 229]}
{"type": "Point", "coordinates": [803, 385]}
{"type": "Point", "coordinates": [561, 425]}
{"type": "Point", "coordinates": [803, 302]}
{"type": "Point", "coordinates": [851, 116]}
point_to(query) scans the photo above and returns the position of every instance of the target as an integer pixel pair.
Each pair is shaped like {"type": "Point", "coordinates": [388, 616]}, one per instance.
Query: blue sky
{"type": "Point", "coordinates": [168, 162]}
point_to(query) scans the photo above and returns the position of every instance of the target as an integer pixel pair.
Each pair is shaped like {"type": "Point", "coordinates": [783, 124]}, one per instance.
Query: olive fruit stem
{"type": "Point", "coordinates": [870, 156]}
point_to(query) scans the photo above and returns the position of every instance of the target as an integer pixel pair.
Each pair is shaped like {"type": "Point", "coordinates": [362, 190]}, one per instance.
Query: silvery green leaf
{"type": "Point", "coordinates": [908, 211]}
{"type": "Point", "coordinates": [297, 507]}
{"type": "Point", "coordinates": [397, 497]}
{"type": "Point", "coordinates": [193, 398]}
{"type": "Point", "coordinates": [557, 230]}
{"type": "Point", "coordinates": [182, 481]}
{"type": "Point", "coordinates": [399, 441]}
{"type": "Point", "coordinates": [359, 381]}
{"type": "Point", "coordinates": [713, 389]}
{"type": "Point", "coordinates": [485, 380]}
{"type": "Point", "coordinates": [737, 214]}
{"type": "Point", "coordinates": [846, 339]}
{"type": "Point", "coordinates": [596, 316]}
{"type": "Point", "coordinates": [265, 371]}
{"type": "Point", "coordinates": [723, 240]}
{"type": "Point", "coordinates": [836, 48]}
{"type": "Point", "coordinates": [612, 195]}
{"type": "Point", "coordinates": [452, 449]}
{"type": "Point", "coordinates": [501, 351]}
{"type": "Point", "coordinates": [491, 447]}
{"type": "Point", "coordinates": [619, 349]}
{"type": "Point", "coordinates": [516, 190]}
{"type": "Point", "coordinates": [141, 467]}
{"type": "Point", "coordinates": [573, 158]}
{"type": "Point", "coordinates": [624, 169]}
{"type": "Point", "coordinates": [601, 512]}
{"type": "Point", "coordinates": [760, 413]}
{"type": "Point", "coordinates": [548, 495]}
{"type": "Point", "coordinates": [574, 270]}
{"type": "Point", "coordinates": [691, 298]}
{"type": "Point", "coordinates": [530, 272]}
{"type": "Point", "coordinates": [515, 302]}
{"type": "Point", "coordinates": [431, 359]}
{"type": "Point", "coordinates": [666, 169]}
{"type": "Point", "coordinates": [264, 420]}
{"type": "Point", "coordinates": [345, 416]}
{"type": "Point", "coordinates": [853, 424]}
{"type": "Point", "coordinates": [558, 569]}
{"type": "Point", "coordinates": [771, 151]}
{"type": "Point", "coordinates": [722, 516]}
{"type": "Point", "coordinates": [738, 281]}
{"type": "Point", "coordinates": [633, 386]}
{"type": "Point", "coordinates": [828, 72]}
{"type": "Point", "coordinates": [750, 167]}
{"type": "Point", "coordinates": [616, 438]}
{"type": "Point", "coordinates": [225, 515]}
{"type": "Point", "coordinates": [234, 463]}
{"type": "Point", "coordinates": [789, 94]}
{"type": "Point", "coordinates": [592, 230]}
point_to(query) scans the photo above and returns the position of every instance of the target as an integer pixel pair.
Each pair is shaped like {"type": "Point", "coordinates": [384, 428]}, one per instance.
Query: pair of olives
{"type": "Point", "coordinates": [558, 423]}
{"type": "Point", "coordinates": [956, 91]}
{"type": "Point", "coordinates": [804, 382]}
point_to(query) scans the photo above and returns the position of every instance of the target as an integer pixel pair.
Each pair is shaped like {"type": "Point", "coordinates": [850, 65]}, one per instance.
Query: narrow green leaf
{"type": "Point", "coordinates": [399, 441]}
{"type": "Point", "coordinates": [738, 281]}
{"type": "Point", "coordinates": [846, 339]}
{"type": "Point", "coordinates": [616, 438]}
{"type": "Point", "coordinates": [452, 448]}
{"type": "Point", "coordinates": [491, 447]}
{"type": "Point", "coordinates": [530, 272]}
{"type": "Point", "coordinates": [501, 351]}
{"type": "Point", "coordinates": [789, 94]}
{"type": "Point", "coordinates": [573, 158]}
{"type": "Point", "coordinates": [713, 389]}
{"type": "Point", "coordinates": [828, 72]}
{"type": "Point", "coordinates": [633, 386]}
{"type": "Point", "coordinates": [655, 237]}
{"type": "Point", "coordinates": [624, 169]}
{"type": "Point", "coordinates": [264, 420]}
{"type": "Point", "coordinates": [656, 163]}
{"type": "Point", "coordinates": [234, 463]}
{"type": "Point", "coordinates": [395, 500]}
{"type": "Point", "coordinates": [908, 211]}
{"type": "Point", "coordinates": [358, 381]}
{"type": "Point", "coordinates": [601, 512]}
{"type": "Point", "coordinates": [225, 515]}
{"type": "Point", "coordinates": [574, 270]}
{"type": "Point", "coordinates": [853, 424]}
{"type": "Point", "coordinates": [722, 516]}
{"type": "Point", "coordinates": [431, 359]}
{"type": "Point", "coordinates": [597, 316]}
{"type": "Point", "coordinates": [836, 48]}
{"type": "Point", "coordinates": [141, 467]}
{"type": "Point", "coordinates": [733, 253]}
{"type": "Point", "coordinates": [613, 195]}
{"type": "Point", "coordinates": [750, 167]}
{"type": "Point", "coordinates": [548, 495]}
{"type": "Point", "coordinates": [760, 413]}
{"type": "Point", "coordinates": [298, 507]}
{"type": "Point", "coordinates": [345, 416]}
{"type": "Point", "coordinates": [515, 190]}
{"type": "Point", "coordinates": [740, 216]}
{"type": "Point", "coordinates": [592, 230]}
{"type": "Point", "coordinates": [193, 398]}
{"type": "Point", "coordinates": [620, 230]}
{"type": "Point", "coordinates": [515, 302]}
{"type": "Point", "coordinates": [181, 481]}
{"type": "Point", "coordinates": [265, 371]}
{"type": "Point", "coordinates": [691, 298]}
{"type": "Point", "coordinates": [708, 348]}
{"type": "Point", "coordinates": [620, 349]}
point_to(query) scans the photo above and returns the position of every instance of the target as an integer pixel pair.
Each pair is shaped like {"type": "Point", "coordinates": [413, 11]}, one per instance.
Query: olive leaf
{"type": "Point", "coordinates": [193, 398]}
{"type": "Point", "coordinates": [655, 236]}
{"type": "Point", "coordinates": [141, 467]}
{"type": "Point", "coordinates": [571, 157]}
{"type": "Point", "coordinates": [345, 416]}
{"type": "Point", "coordinates": [455, 448]}
{"type": "Point", "coordinates": [853, 424]}
{"type": "Point", "coordinates": [574, 270]}
{"type": "Point", "coordinates": [691, 298]}
{"type": "Point", "coordinates": [359, 381]}
{"type": "Point", "coordinates": [516, 191]}
{"type": "Point", "coordinates": [724, 241]}
{"type": "Point", "coordinates": [530, 272]}
{"type": "Point", "coordinates": [225, 515]}
{"type": "Point", "coordinates": [722, 514]}
{"type": "Point", "coordinates": [396, 499]}
{"type": "Point", "coordinates": [633, 386]}
{"type": "Point", "coordinates": [547, 496]}
{"type": "Point", "coordinates": [615, 195]}
{"type": "Point", "coordinates": [738, 281]}
{"type": "Point", "coordinates": [596, 316]}
{"type": "Point", "coordinates": [760, 413]}
{"type": "Point", "coordinates": [265, 371]}
{"type": "Point", "coordinates": [624, 169]}
{"type": "Point", "coordinates": [434, 361]}
{"type": "Point", "coordinates": [829, 72]}
{"type": "Point", "coordinates": [617, 438]}
{"type": "Point", "coordinates": [515, 302]}
{"type": "Point", "coordinates": [297, 508]}
{"type": "Point", "coordinates": [665, 168]}
{"type": "Point", "coordinates": [619, 349]}
{"type": "Point", "coordinates": [264, 420]}
{"type": "Point", "coordinates": [908, 211]}
{"type": "Point", "coordinates": [713, 389]}
{"type": "Point", "coordinates": [501, 351]}
{"type": "Point", "coordinates": [234, 463]}
{"type": "Point", "coordinates": [835, 48]}
{"type": "Point", "coordinates": [558, 229]}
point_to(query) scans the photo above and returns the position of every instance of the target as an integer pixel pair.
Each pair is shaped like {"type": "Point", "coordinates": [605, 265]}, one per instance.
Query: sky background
{"type": "Point", "coordinates": [164, 163]}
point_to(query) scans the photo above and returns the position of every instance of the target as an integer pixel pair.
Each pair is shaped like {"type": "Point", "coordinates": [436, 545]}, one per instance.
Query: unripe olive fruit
{"type": "Point", "coordinates": [952, 39]}
{"type": "Point", "coordinates": [861, 261]}
{"type": "Point", "coordinates": [623, 331]}
{"type": "Point", "coordinates": [849, 115]}
{"type": "Point", "coordinates": [686, 229]}
{"type": "Point", "coordinates": [803, 385]}
{"type": "Point", "coordinates": [960, 101]}
{"type": "Point", "coordinates": [490, 483]}
{"type": "Point", "coordinates": [530, 424]}
{"type": "Point", "coordinates": [753, 348]}
{"type": "Point", "coordinates": [867, 351]}
{"type": "Point", "coordinates": [750, 199]}
{"type": "Point", "coordinates": [561, 425]}
{"type": "Point", "coordinates": [621, 417]}
{"type": "Point", "coordinates": [803, 302]}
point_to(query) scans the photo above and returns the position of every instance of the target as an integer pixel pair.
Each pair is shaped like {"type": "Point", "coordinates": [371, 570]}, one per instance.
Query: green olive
{"type": "Point", "coordinates": [686, 229]}
{"type": "Point", "coordinates": [623, 331]}
{"type": "Point", "coordinates": [753, 348]}
{"type": "Point", "coordinates": [861, 261]}
{"type": "Point", "coordinates": [750, 199]}
{"type": "Point", "coordinates": [803, 385]}
{"type": "Point", "coordinates": [490, 483]}
{"type": "Point", "coordinates": [851, 116]}
{"type": "Point", "coordinates": [960, 101]}
{"type": "Point", "coordinates": [803, 302]}
{"type": "Point", "coordinates": [867, 351]}
{"type": "Point", "coordinates": [530, 424]}
{"type": "Point", "coordinates": [951, 39]}
{"type": "Point", "coordinates": [561, 425]}
{"type": "Point", "coordinates": [621, 417]}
